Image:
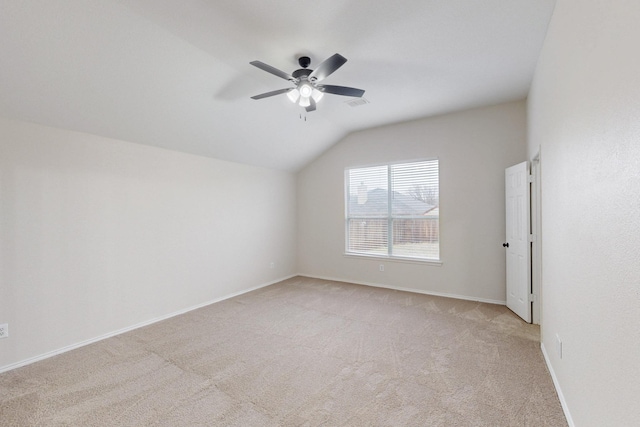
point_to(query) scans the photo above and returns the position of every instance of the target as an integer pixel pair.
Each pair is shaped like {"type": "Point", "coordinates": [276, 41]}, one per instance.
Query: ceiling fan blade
{"type": "Point", "coordinates": [327, 67]}
{"type": "Point", "coordinates": [269, 69]}
{"type": "Point", "coordinates": [341, 90]}
{"type": "Point", "coordinates": [312, 105]}
{"type": "Point", "coordinates": [272, 93]}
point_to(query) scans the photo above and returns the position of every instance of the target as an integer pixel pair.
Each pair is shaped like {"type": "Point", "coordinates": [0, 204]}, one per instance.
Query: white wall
{"type": "Point", "coordinates": [474, 147]}
{"type": "Point", "coordinates": [98, 235]}
{"type": "Point", "coordinates": [584, 114]}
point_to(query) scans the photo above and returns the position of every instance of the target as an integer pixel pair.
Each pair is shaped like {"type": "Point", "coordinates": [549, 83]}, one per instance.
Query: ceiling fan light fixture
{"type": "Point", "coordinates": [293, 95]}
{"type": "Point", "coordinates": [305, 90]}
{"type": "Point", "coordinates": [304, 101]}
{"type": "Point", "coordinates": [316, 95]}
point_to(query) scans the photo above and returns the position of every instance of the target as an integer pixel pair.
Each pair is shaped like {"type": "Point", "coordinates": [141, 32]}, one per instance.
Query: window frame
{"type": "Point", "coordinates": [390, 217]}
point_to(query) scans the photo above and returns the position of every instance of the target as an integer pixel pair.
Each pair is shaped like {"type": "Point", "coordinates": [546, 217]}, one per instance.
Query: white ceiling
{"type": "Point", "coordinates": [176, 74]}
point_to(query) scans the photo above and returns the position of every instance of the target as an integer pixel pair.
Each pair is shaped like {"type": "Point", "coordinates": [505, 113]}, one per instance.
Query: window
{"type": "Point", "coordinates": [393, 210]}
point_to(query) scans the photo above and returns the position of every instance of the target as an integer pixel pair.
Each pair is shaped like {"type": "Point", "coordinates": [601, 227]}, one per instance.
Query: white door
{"type": "Point", "coordinates": [517, 245]}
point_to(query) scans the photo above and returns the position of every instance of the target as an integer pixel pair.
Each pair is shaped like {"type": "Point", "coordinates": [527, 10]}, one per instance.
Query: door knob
{"type": "Point", "coordinates": [505, 245]}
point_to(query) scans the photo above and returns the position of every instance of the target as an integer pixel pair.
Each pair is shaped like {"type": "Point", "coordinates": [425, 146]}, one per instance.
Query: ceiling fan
{"type": "Point", "coordinates": [307, 91]}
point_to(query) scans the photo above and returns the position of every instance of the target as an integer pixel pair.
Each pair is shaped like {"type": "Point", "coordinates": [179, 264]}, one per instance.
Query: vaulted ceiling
{"type": "Point", "coordinates": [176, 74]}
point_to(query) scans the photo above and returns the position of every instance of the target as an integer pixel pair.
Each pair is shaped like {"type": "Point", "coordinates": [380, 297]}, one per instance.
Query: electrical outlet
{"type": "Point", "coordinates": [4, 330]}
{"type": "Point", "coordinates": [559, 346]}
{"type": "Point", "coordinates": [381, 267]}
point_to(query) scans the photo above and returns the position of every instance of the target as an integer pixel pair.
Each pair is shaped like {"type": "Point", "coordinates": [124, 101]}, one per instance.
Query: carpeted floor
{"type": "Point", "coordinates": [303, 352]}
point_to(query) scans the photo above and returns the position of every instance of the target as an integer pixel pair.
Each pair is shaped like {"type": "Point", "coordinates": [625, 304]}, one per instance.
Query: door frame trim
{"type": "Point", "coordinates": [536, 245]}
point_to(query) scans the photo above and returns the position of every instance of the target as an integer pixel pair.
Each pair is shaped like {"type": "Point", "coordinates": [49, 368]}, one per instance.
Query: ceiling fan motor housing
{"type": "Point", "coordinates": [301, 74]}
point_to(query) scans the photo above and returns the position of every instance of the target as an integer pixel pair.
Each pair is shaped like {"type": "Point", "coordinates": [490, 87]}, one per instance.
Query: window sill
{"type": "Point", "coordinates": [435, 263]}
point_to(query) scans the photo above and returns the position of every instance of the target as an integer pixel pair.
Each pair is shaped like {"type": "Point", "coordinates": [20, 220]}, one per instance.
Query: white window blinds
{"type": "Point", "coordinates": [392, 210]}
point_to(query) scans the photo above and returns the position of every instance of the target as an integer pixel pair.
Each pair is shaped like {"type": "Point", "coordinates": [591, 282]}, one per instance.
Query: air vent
{"type": "Point", "coordinates": [356, 102]}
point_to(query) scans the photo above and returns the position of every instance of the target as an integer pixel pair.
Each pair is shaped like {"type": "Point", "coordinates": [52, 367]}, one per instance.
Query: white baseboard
{"type": "Point", "coordinates": [563, 402]}
{"type": "Point", "coordinates": [397, 288]}
{"type": "Point", "coordinates": [131, 328]}
{"type": "Point", "coordinates": [186, 310]}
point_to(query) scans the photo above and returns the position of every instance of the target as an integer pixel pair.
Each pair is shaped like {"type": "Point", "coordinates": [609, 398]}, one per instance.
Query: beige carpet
{"type": "Point", "coordinates": [302, 352]}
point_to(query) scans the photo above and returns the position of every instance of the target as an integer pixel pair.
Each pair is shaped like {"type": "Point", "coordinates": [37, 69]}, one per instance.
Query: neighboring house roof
{"type": "Point", "coordinates": [376, 204]}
